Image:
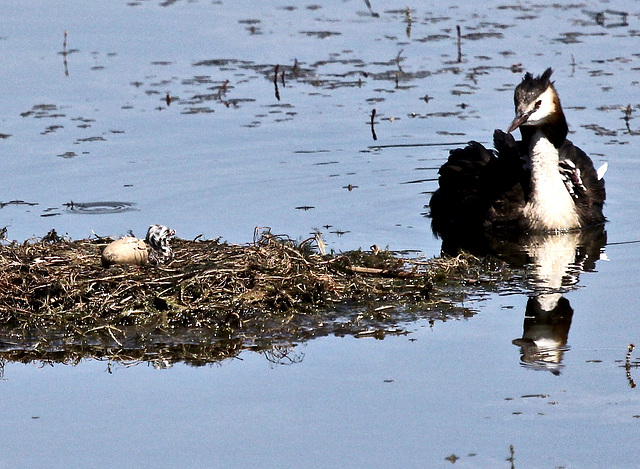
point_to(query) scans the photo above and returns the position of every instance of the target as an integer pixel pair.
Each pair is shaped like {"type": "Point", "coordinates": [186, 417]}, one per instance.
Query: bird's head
{"type": "Point", "coordinates": [536, 101]}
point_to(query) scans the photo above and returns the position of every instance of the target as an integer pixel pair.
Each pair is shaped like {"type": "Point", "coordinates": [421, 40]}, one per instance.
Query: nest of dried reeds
{"type": "Point", "coordinates": [229, 291]}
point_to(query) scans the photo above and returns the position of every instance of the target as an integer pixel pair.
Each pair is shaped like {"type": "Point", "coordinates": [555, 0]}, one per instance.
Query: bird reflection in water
{"type": "Point", "coordinates": [552, 263]}
{"type": "Point", "coordinates": [555, 263]}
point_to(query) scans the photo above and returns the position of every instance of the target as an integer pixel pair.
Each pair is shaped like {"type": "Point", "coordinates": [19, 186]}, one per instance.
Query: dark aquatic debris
{"type": "Point", "coordinates": [609, 18]}
{"type": "Point", "coordinates": [17, 202]}
{"type": "Point", "coordinates": [56, 296]}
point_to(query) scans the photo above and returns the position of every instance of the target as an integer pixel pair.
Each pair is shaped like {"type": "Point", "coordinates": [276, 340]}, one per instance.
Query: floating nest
{"type": "Point", "coordinates": [214, 299]}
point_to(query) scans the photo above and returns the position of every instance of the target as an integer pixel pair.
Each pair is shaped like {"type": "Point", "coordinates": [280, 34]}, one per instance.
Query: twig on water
{"type": "Point", "coordinates": [459, 43]}
{"type": "Point", "coordinates": [222, 90]}
{"type": "Point", "coordinates": [373, 13]}
{"type": "Point", "coordinates": [627, 117]}
{"type": "Point", "coordinates": [398, 60]}
{"type": "Point", "coordinates": [64, 54]}
{"type": "Point", "coordinates": [373, 130]}
{"type": "Point", "coordinates": [400, 72]}
{"type": "Point", "coordinates": [275, 82]}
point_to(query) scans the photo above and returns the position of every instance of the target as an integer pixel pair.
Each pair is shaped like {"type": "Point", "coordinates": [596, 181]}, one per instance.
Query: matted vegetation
{"type": "Point", "coordinates": [214, 299]}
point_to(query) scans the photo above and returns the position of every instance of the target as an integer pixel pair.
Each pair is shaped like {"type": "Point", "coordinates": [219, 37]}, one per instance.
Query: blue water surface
{"type": "Point", "coordinates": [88, 122]}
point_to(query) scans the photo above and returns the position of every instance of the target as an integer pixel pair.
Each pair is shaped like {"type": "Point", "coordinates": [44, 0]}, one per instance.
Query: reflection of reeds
{"type": "Point", "coordinates": [146, 347]}
{"type": "Point", "coordinates": [59, 303]}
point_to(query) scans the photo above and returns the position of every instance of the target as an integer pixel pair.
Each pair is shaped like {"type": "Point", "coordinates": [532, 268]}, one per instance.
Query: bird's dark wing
{"type": "Point", "coordinates": [479, 189]}
{"type": "Point", "coordinates": [583, 183]}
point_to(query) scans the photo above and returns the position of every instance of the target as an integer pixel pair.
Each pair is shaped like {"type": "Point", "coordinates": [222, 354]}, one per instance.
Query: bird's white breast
{"type": "Point", "coordinates": [550, 206]}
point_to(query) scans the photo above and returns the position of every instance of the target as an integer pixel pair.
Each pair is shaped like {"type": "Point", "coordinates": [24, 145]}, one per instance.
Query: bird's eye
{"type": "Point", "coordinates": [538, 103]}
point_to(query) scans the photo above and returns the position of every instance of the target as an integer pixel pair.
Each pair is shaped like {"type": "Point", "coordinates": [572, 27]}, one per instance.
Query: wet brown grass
{"type": "Point", "coordinates": [55, 291]}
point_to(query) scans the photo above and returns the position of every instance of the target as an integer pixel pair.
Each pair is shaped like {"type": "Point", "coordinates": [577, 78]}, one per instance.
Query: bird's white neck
{"type": "Point", "coordinates": [550, 206]}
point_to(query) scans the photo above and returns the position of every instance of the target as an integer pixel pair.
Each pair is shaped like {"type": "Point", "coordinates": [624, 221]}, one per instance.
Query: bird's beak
{"type": "Point", "coordinates": [521, 118]}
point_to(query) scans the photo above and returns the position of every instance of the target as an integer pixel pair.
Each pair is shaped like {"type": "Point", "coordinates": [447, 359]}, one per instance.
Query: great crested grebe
{"type": "Point", "coordinates": [543, 183]}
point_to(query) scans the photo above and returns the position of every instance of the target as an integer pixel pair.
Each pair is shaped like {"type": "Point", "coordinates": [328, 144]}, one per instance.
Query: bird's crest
{"type": "Point", "coordinates": [531, 87]}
